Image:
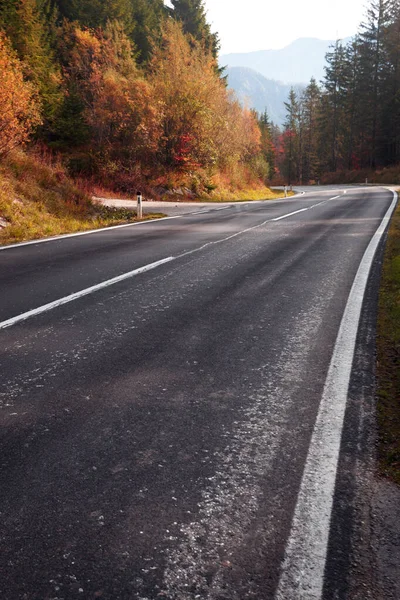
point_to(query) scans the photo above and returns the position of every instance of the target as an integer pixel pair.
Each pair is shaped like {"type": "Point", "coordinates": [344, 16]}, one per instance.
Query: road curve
{"type": "Point", "coordinates": [160, 389]}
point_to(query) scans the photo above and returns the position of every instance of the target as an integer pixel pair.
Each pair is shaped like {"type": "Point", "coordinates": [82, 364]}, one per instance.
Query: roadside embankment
{"type": "Point", "coordinates": [38, 199]}
{"type": "Point", "coordinates": [388, 348]}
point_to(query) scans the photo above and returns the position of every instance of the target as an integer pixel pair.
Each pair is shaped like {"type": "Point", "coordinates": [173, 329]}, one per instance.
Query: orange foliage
{"type": "Point", "coordinates": [19, 112]}
{"type": "Point", "coordinates": [119, 103]}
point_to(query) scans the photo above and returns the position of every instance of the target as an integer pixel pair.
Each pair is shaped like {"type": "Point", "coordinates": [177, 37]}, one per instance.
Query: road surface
{"type": "Point", "coordinates": [175, 415]}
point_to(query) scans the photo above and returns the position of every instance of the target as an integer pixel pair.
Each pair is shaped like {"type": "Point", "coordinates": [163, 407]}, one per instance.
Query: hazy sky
{"type": "Point", "coordinates": [246, 25]}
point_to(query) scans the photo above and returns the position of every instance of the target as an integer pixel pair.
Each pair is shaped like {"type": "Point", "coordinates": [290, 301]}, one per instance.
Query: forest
{"type": "Point", "coordinates": [348, 128]}
{"type": "Point", "coordinates": [127, 93]}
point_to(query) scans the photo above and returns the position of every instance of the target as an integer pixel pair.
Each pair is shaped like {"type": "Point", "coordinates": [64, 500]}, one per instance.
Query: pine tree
{"type": "Point", "coordinates": [147, 17]}
{"type": "Point", "coordinates": [331, 122]}
{"type": "Point", "coordinates": [372, 64]}
{"type": "Point", "coordinates": [390, 88]}
{"type": "Point", "coordinates": [30, 27]}
{"type": "Point", "coordinates": [192, 15]}
{"type": "Point", "coordinates": [267, 145]}
{"type": "Point", "coordinates": [310, 102]}
{"type": "Point", "coordinates": [291, 135]}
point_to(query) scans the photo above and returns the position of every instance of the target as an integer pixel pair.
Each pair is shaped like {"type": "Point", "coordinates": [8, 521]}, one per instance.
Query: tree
{"type": "Point", "coordinates": [310, 103]}
{"type": "Point", "coordinates": [117, 103]}
{"type": "Point", "coordinates": [291, 139]}
{"type": "Point", "coordinates": [373, 62]}
{"type": "Point", "coordinates": [19, 110]}
{"type": "Point", "coordinates": [192, 15]}
{"type": "Point", "coordinates": [267, 145]}
{"type": "Point", "coordinates": [331, 122]}
{"type": "Point", "coordinates": [203, 126]}
{"type": "Point", "coordinates": [28, 24]}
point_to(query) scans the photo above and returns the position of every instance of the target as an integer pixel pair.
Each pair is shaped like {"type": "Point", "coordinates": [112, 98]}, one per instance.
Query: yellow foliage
{"type": "Point", "coordinates": [202, 122]}
{"type": "Point", "coordinates": [19, 111]}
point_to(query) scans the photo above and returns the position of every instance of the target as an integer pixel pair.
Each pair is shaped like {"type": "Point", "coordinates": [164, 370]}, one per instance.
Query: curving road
{"type": "Point", "coordinates": [176, 416]}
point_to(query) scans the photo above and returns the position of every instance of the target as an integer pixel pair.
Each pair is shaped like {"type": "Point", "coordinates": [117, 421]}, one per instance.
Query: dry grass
{"type": "Point", "coordinates": [262, 193]}
{"type": "Point", "coordinates": [38, 199]}
{"type": "Point", "coordinates": [388, 343]}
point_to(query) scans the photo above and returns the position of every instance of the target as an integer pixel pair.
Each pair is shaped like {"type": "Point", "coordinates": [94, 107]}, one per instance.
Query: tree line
{"type": "Point", "coordinates": [126, 90]}
{"type": "Point", "coordinates": [352, 120]}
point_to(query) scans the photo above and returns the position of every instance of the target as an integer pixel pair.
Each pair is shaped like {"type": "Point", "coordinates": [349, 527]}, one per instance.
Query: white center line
{"type": "Point", "coordinates": [302, 575]}
{"type": "Point", "coordinates": [80, 294]}
{"type": "Point", "coordinates": [296, 212]}
{"type": "Point", "coordinates": [75, 296]}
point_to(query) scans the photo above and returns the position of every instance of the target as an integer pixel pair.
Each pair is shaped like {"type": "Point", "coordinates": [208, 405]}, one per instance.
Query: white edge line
{"type": "Point", "coordinates": [302, 574]}
{"type": "Point", "coordinates": [80, 294]}
{"type": "Point", "coordinates": [146, 222]}
{"type": "Point", "coordinates": [89, 232]}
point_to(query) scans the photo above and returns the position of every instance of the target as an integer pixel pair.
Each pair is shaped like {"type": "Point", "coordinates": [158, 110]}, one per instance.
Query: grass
{"type": "Point", "coordinates": [263, 193]}
{"type": "Point", "coordinates": [38, 199]}
{"type": "Point", "coordinates": [388, 347]}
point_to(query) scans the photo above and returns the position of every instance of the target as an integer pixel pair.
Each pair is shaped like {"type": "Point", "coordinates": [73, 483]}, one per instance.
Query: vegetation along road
{"type": "Point", "coordinates": [187, 406]}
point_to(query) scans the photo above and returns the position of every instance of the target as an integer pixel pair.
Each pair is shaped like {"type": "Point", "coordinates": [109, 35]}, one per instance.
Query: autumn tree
{"type": "Point", "coordinates": [203, 125]}
{"type": "Point", "coordinates": [116, 101]}
{"type": "Point", "coordinates": [29, 25]}
{"type": "Point", "coordinates": [19, 111]}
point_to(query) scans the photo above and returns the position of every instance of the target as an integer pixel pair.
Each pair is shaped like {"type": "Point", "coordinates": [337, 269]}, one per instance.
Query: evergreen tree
{"type": "Point", "coordinates": [147, 16]}
{"type": "Point", "coordinates": [291, 142]}
{"type": "Point", "coordinates": [310, 108]}
{"type": "Point", "coordinates": [30, 27]}
{"type": "Point", "coordinates": [331, 123]}
{"type": "Point", "coordinates": [390, 96]}
{"type": "Point", "coordinates": [192, 15]}
{"type": "Point", "coordinates": [373, 72]}
{"type": "Point", "coordinates": [267, 145]}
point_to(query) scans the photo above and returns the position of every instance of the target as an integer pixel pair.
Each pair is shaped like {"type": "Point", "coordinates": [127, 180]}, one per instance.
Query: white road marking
{"type": "Point", "coordinates": [89, 232]}
{"type": "Point", "coordinates": [296, 212]}
{"type": "Point", "coordinates": [85, 292]}
{"type": "Point", "coordinates": [302, 575]}
{"type": "Point", "coordinates": [104, 284]}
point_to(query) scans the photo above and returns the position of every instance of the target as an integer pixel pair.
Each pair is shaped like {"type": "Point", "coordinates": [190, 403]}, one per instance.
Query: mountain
{"type": "Point", "coordinates": [296, 63]}
{"type": "Point", "coordinates": [260, 93]}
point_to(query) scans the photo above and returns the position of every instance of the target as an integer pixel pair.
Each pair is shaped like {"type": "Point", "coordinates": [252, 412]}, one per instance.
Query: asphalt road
{"type": "Point", "coordinates": [155, 432]}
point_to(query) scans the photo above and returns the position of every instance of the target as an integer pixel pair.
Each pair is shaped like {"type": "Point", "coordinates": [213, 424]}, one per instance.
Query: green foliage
{"type": "Point", "coordinates": [356, 122]}
{"type": "Point", "coordinates": [30, 26]}
{"type": "Point", "coordinates": [388, 348]}
{"type": "Point", "coordinates": [192, 15]}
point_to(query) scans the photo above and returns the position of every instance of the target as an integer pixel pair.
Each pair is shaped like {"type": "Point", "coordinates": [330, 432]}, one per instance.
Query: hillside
{"type": "Point", "coordinates": [260, 93]}
{"type": "Point", "coordinates": [296, 63]}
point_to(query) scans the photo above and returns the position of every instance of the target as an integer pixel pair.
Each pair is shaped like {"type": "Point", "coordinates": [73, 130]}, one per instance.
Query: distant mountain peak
{"type": "Point", "coordinates": [295, 63]}
{"type": "Point", "coordinates": [260, 93]}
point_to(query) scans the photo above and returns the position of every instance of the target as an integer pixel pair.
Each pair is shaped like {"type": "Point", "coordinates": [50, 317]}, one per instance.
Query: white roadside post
{"type": "Point", "coordinates": [285, 190]}
{"type": "Point", "coordinates": [139, 210]}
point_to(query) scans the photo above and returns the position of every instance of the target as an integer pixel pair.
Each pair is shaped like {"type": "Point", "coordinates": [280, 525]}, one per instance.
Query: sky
{"type": "Point", "coordinates": [244, 26]}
